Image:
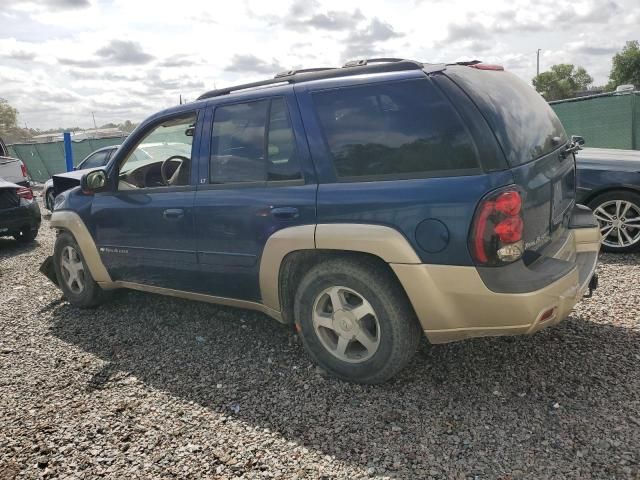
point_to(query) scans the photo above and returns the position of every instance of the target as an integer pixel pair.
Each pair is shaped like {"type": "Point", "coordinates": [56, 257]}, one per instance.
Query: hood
{"type": "Point", "coordinates": [609, 159]}
{"type": "Point", "coordinates": [74, 174]}
{"type": "Point", "coordinates": [66, 181]}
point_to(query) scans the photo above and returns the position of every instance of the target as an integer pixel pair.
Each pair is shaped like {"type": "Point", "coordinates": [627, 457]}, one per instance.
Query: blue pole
{"type": "Point", "coordinates": [68, 153]}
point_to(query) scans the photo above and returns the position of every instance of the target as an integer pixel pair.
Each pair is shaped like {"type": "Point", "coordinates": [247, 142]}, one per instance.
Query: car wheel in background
{"type": "Point", "coordinates": [355, 320]}
{"type": "Point", "coordinates": [49, 199]}
{"type": "Point", "coordinates": [618, 214]}
{"type": "Point", "coordinates": [74, 277]}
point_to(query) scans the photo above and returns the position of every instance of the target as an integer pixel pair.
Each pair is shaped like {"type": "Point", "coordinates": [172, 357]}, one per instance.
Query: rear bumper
{"type": "Point", "coordinates": [12, 220]}
{"type": "Point", "coordinates": [454, 303]}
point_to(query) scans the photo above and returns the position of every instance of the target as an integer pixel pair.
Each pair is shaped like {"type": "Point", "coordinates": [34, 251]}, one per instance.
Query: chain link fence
{"type": "Point", "coordinates": [45, 159]}
{"type": "Point", "coordinates": [605, 121]}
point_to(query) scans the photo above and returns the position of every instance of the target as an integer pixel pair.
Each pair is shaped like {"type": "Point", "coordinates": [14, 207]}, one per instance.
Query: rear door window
{"type": "Point", "coordinates": [400, 129]}
{"type": "Point", "coordinates": [253, 142]}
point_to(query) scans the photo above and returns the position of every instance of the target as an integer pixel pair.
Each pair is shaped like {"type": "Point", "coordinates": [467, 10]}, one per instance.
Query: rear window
{"type": "Point", "coordinates": [399, 129]}
{"type": "Point", "coordinates": [524, 123]}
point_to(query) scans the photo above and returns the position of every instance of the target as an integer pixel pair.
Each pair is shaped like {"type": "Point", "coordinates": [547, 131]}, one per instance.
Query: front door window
{"type": "Point", "coordinates": [162, 158]}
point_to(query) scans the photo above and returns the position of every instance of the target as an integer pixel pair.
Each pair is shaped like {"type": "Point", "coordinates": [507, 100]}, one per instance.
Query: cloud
{"type": "Point", "coordinates": [332, 20]}
{"type": "Point", "coordinates": [49, 4]}
{"type": "Point", "coordinates": [116, 53]}
{"type": "Point", "coordinates": [252, 64]}
{"type": "Point", "coordinates": [122, 52]}
{"type": "Point", "coordinates": [157, 82]}
{"type": "Point", "coordinates": [178, 61]}
{"type": "Point", "coordinates": [20, 55]}
{"type": "Point", "coordinates": [306, 14]}
{"type": "Point", "coordinates": [365, 42]}
{"type": "Point", "coordinates": [81, 63]}
{"type": "Point", "coordinates": [546, 17]}
{"type": "Point", "coordinates": [467, 31]}
{"type": "Point", "coordinates": [593, 50]}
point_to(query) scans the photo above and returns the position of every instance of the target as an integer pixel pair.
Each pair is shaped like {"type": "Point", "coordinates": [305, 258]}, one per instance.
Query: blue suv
{"type": "Point", "coordinates": [364, 205]}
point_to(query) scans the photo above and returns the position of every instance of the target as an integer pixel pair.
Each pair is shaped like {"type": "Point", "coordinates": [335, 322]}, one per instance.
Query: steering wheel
{"type": "Point", "coordinates": [163, 167]}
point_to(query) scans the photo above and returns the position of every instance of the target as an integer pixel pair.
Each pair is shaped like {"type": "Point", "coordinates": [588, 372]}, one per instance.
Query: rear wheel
{"type": "Point", "coordinates": [74, 277]}
{"type": "Point", "coordinates": [355, 320]}
{"type": "Point", "coordinates": [618, 214]}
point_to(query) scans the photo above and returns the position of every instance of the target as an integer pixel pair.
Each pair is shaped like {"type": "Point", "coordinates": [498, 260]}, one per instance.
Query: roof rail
{"type": "Point", "coordinates": [290, 73]}
{"type": "Point", "coordinates": [245, 86]}
{"type": "Point", "coordinates": [366, 61]}
{"type": "Point", "coordinates": [358, 67]}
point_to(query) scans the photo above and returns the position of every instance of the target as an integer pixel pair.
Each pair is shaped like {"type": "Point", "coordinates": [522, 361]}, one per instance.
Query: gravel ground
{"type": "Point", "coordinates": [155, 387]}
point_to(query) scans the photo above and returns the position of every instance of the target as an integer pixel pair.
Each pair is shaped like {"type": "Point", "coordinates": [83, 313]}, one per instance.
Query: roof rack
{"type": "Point", "coordinates": [289, 73]}
{"type": "Point", "coordinates": [367, 61]}
{"type": "Point", "coordinates": [356, 67]}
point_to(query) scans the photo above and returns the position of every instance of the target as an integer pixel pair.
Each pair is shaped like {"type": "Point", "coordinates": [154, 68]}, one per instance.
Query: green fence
{"type": "Point", "coordinates": [605, 121]}
{"type": "Point", "coordinates": [45, 159]}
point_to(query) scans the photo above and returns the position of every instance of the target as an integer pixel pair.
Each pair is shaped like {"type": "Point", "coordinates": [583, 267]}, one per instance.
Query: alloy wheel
{"type": "Point", "coordinates": [72, 269]}
{"type": "Point", "coordinates": [346, 324]}
{"type": "Point", "coordinates": [619, 223]}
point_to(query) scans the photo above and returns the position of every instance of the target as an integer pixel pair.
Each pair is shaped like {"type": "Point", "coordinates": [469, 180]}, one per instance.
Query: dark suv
{"type": "Point", "coordinates": [364, 205]}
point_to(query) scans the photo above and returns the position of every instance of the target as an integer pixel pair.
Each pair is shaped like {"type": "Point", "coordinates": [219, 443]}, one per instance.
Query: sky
{"type": "Point", "coordinates": [62, 60]}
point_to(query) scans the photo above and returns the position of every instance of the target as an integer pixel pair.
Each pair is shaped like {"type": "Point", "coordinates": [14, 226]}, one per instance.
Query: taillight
{"type": "Point", "coordinates": [24, 170]}
{"type": "Point", "coordinates": [25, 192]}
{"type": "Point", "coordinates": [496, 234]}
{"type": "Point", "coordinates": [487, 66]}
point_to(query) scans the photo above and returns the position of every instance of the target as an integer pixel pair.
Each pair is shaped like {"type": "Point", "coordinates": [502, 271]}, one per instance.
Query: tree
{"type": "Point", "coordinates": [625, 67]}
{"type": "Point", "coordinates": [8, 117]}
{"type": "Point", "coordinates": [562, 81]}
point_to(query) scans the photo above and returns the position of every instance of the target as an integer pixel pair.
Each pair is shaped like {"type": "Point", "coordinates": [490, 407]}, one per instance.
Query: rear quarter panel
{"type": "Point", "coordinates": [404, 204]}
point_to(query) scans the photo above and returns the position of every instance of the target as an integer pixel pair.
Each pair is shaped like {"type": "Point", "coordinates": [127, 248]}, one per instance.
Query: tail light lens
{"type": "Point", "coordinates": [24, 170]}
{"type": "Point", "coordinates": [25, 193]}
{"type": "Point", "coordinates": [488, 66]}
{"type": "Point", "coordinates": [496, 234]}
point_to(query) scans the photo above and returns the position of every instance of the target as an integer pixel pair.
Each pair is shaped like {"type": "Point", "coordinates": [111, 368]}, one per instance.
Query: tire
{"type": "Point", "coordinates": [82, 292]}
{"type": "Point", "coordinates": [49, 199]}
{"type": "Point", "coordinates": [26, 235]}
{"type": "Point", "coordinates": [389, 327]}
{"type": "Point", "coordinates": [620, 234]}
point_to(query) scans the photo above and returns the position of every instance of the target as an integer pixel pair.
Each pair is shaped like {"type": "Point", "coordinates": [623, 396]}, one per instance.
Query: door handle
{"type": "Point", "coordinates": [173, 214]}
{"type": "Point", "coordinates": [285, 213]}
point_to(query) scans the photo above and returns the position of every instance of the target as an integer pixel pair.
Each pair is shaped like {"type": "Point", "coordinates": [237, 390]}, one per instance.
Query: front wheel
{"type": "Point", "coordinates": [74, 277]}
{"type": "Point", "coordinates": [618, 214]}
{"type": "Point", "coordinates": [355, 320]}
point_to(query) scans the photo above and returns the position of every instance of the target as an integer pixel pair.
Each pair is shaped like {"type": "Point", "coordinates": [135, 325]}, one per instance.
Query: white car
{"type": "Point", "coordinates": [12, 169]}
{"type": "Point", "coordinates": [96, 159]}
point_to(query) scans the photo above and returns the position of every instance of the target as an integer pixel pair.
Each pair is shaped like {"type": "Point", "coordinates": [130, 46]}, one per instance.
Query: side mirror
{"type": "Point", "coordinates": [93, 182]}
{"type": "Point", "coordinates": [577, 140]}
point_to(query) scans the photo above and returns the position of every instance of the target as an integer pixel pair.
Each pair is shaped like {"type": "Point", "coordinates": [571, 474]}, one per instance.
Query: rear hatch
{"type": "Point", "coordinates": [533, 141]}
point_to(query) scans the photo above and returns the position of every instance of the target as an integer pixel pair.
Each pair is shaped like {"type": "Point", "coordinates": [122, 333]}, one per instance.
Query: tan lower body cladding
{"type": "Point", "coordinates": [451, 302]}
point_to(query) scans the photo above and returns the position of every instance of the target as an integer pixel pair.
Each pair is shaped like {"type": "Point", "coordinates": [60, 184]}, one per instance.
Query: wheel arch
{"type": "Point", "coordinates": [593, 194]}
{"type": "Point", "coordinates": [71, 222]}
{"type": "Point", "coordinates": [290, 252]}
